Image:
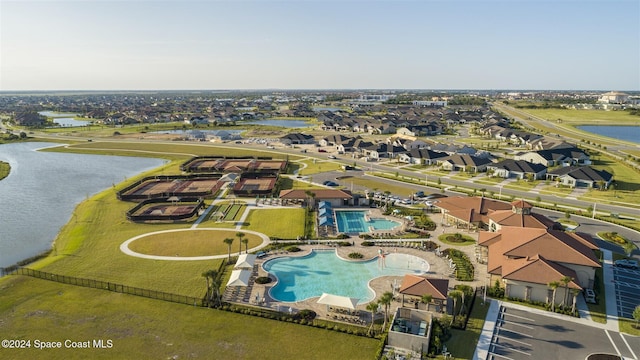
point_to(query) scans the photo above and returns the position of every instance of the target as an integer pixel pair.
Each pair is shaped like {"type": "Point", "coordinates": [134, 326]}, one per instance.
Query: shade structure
{"type": "Point", "coordinates": [325, 220]}
{"type": "Point", "coordinates": [239, 278]}
{"type": "Point", "coordinates": [324, 204]}
{"type": "Point", "coordinates": [245, 261]}
{"type": "Point", "coordinates": [338, 301]}
{"type": "Point", "coordinates": [324, 211]}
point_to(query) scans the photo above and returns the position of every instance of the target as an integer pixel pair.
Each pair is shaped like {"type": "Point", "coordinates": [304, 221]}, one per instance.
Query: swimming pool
{"type": "Point", "coordinates": [356, 221]}
{"type": "Point", "coordinates": [322, 271]}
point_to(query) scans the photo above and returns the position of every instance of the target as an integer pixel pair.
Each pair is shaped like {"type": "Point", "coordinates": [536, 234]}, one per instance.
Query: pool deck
{"type": "Point", "coordinates": [439, 268]}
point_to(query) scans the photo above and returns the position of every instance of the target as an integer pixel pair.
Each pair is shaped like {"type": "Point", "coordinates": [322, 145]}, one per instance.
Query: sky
{"type": "Point", "coordinates": [330, 44]}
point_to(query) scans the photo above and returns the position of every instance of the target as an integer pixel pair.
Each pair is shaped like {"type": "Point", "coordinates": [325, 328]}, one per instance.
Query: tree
{"type": "Point", "coordinates": [483, 190]}
{"type": "Point", "coordinates": [372, 307]}
{"type": "Point", "coordinates": [213, 287]}
{"type": "Point", "coordinates": [636, 315]}
{"type": "Point", "coordinates": [246, 245]}
{"type": "Point", "coordinates": [455, 295]}
{"type": "Point", "coordinates": [554, 286]}
{"type": "Point", "coordinates": [426, 299]}
{"type": "Point", "coordinates": [228, 241]}
{"type": "Point", "coordinates": [565, 280]}
{"type": "Point", "coordinates": [240, 235]}
{"type": "Point", "coordinates": [385, 301]}
{"type": "Point", "coordinates": [575, 293]}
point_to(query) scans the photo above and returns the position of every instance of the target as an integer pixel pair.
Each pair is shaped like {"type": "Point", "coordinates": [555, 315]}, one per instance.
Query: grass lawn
{"type": "Point", "coordinates": [313, 167]}
{"type": "Point", "coordinates": [191, 243]}
{"type": "Point", "coordinates": [629, 326]}
{"type": "Point", "coordinates": [586, 117]}
{"type": "Point", "coordinates": [558, 191]}
{"type": "Point", "coordinates": [461, 175]}
{"type": "Point", "coordinates": [522, 185]}
{"type": "Point", "coordinates": [487, 180]}
{"type": "Point", "coordinates": [465, 240]}
{"type": "Point", "coordinates": [281, 223]}
{"type": "Point", "coordinates": [371, 183]}
{"type": "Point", "coordinates": [626, 188]}
{"type": "Point", "coordinates": [5, 168]}
{"type": "Point", "coordinates": [153, 329]}
{"type": "Point", "coordinates": [462, 344]}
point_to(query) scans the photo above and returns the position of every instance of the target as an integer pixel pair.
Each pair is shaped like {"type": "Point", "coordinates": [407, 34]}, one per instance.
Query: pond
{"type": "Point", "coordinates": [281, 123]}
{"type": "Point", "coordinates": [626, 133]}
{"type": "Point", "coordinates": [43, 188]}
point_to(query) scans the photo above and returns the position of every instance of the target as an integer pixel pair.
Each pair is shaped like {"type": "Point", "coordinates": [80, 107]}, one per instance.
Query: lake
{"type": "Point", "coordinates": [281, 123]}
{"type": "Point", "coordinates": [43, 188]}
{"type": "Point", "coordinates": [64, 119]}
{"type": "Point", "coordinates": [626, 133]}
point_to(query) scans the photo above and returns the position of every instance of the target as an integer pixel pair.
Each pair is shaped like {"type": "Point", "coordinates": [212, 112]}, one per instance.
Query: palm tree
{"type": "Point", "coordinates": [385, 300]}
{"type": "Point", "coordinates": [575, 293]}
{"type": "Point", "coordinates": [455, 295]}
{"type": "Point", "coordinates": [228, 241]}
{"type": "Point", "coordinates": [372, 307]}
{"type": "Point", "coordinates": [554, 286]}
{"type": "Point", "coordinates": [240, 235]}
{"type": "Point", "coordinates": [565, 280]}
{"type": "Point", "coordinates": [426, 299]}
{"type": "Point", "coordinates": [213, 287]}
{"type": "Point", "coordinates": [246, 245]}
{"type": "Point", "coordinates": [205, 275]}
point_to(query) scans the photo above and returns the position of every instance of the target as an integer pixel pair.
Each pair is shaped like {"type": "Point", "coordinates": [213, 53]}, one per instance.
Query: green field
{"type": "Point", "coordinates": [191, 243]}
{"type": "Point", "coordinates": [282, 223]}
{"type": "Point", "coordinates": [310, 167]}
{"type": "Point", "coordinates": [143, 328]}
{"type": "Point", "coordinates": [586, 117]}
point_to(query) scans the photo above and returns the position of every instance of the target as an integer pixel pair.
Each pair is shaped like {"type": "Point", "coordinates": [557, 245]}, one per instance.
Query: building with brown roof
{"type": "Point", "coordinates": [520, 215]}
{"type": "Point", "coordinates": [469, 212]}
{"type": "Point", "coordinates": [336, 197]}
{"type": "Point", "coordinates": [526, 260]}
{"type": "Point", "coordinates": [415, 287]}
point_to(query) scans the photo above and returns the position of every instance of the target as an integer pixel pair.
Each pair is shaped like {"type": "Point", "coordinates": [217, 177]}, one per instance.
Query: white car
{"type": "Point", "coordinates": [332, 157]}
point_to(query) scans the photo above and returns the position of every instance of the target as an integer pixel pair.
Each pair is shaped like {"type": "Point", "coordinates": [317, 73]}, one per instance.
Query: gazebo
{"type": "Point", "coordinates": [338, 301]}
{"type": "Point", "coordinates": [239, 278]}
{"type": "Point", "coordinates": [418, 286]}
{"type": "Point", "coordinates": [245, 261]}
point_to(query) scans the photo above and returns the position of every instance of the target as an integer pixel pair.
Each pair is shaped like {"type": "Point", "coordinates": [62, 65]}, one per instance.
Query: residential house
{"type": "Point", "coordinates": [556, 156]}
{"type": "Point", "coordinates": [421, 157]}
{"type": "Point", "coordinates": [519, 169]}
{"type": "Point", "coordinates": [464, 162]}
{"type": "Point", "coordinates": [581, 176]}
{"type": "Point", "coordinates": [297, 139]}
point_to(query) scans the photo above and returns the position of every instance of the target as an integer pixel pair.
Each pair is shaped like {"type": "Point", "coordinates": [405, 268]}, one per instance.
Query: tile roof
{"type": "Point", "coordinates": [470, 209]}
{"type": "Point", "coordinates": [537, 270]}
{"type": "Point", "coordinates": [420, 285]}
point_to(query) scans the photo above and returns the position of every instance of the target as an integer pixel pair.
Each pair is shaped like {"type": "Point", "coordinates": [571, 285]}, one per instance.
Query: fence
{"type": "Point", "coordinates": [104, 285]}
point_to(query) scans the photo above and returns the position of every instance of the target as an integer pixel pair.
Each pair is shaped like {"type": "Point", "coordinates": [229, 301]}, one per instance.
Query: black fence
{"type": "Point", "coordinates": [109, 286]}
{"type": "Point", "coordinates": [197, 203]}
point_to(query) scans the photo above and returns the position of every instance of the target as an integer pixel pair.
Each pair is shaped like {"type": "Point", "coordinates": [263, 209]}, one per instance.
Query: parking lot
{"type": "Point", "coordinates": [521, 334]}
{"type": "Point", "coordinates": [627, 290]}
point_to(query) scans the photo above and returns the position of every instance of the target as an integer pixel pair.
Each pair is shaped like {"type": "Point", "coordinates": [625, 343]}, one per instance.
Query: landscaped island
{"type": "Point", "coordinates": [5, 169]}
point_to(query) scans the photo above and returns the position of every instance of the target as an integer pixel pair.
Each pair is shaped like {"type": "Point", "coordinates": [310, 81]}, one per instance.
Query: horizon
{"type": "Point", "coordinates": [481, 45]}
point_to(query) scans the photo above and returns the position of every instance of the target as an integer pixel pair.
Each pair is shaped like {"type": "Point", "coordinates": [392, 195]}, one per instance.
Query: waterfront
{"type": "Point", "coordinates": [43, 188]}
{"type": "Point", "coordinates": [626, 133]}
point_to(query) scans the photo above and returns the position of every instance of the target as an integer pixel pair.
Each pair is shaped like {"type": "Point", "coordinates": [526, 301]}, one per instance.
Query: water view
{"type": "Point", "coordinates": [281, 123]}
{"type": "Point", "coordinates": [43, 188]}
{"type": "Point", "coordinates": [64, 119]}
{"type": "Point", "coordinates": [626, 133]}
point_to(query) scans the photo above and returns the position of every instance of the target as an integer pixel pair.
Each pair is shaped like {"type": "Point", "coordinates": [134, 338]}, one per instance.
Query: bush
{"type": "Point", "coordinates": [293, 249]}
{"type": "Point", "coordinates": [306, 315]}
{"type": "Point", "coordinates": [355, 255]}
{"type": "Point", "coordinates": [342, 236]}
{"type": "Point", "coordinates": [263, 280]}
{"type": "Point", "coordinates": [368, 243]}
{"type": "Point", "coordinates": [344, 243]}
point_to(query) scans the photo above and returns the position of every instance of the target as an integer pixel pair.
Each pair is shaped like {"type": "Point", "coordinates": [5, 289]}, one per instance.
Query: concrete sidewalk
{"type": "Point", "coordinates": [486, 336]}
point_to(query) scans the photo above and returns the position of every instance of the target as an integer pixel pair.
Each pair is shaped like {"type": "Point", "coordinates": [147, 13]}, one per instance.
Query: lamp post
{"type": "Point", "coordinates": [500, 196]}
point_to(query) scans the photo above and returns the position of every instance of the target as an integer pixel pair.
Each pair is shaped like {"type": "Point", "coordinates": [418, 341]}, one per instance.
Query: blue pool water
{"type": "Point", "coordinates": [301, 278]}
{"type": "Point", "coordinates": [353, 221]}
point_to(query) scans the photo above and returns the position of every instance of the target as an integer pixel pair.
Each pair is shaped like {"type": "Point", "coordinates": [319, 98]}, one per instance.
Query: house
{"type": "Point", "coordinates": [581, 176]}
{"type": "Point", "coordinates": [465, 162]}
{"type": "Point", "coordinates": [414, 287]}
{"type": "Point", "coordinates": [336, 197]}
{"type": "Point", "coordinates": [469, 212]}
{"type": "Point", "coordinates": [527, 259]}
{"type": "Point", "coordinates": [421, 157]}
{"type": "Point", "coordinates": [556, 156]}
{"type": "Point", "coordinates": [519, 169]}
{"type": "Point", "coordinates": [613, 97]}
{"type": "Point", "coordinates": [30, 119]}
{"type": "Point", "coordinates": [521, 216]}
{"type": "Point", "coordinates": [297, 139]}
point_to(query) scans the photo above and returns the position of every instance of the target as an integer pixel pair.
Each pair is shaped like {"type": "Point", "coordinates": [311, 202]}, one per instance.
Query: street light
{"type": "Point", "coordinates": [500, 196]}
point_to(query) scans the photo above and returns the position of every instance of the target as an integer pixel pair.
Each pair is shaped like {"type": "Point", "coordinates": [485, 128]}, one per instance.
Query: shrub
{"type": "Point", "coordinates": [344, 243]}
{"type": "Point", "coordinates": [263, 280]}
{"type": "Point", "coordinates": [293, 249]}
{"type": "Point", "coordinates": [368, 243]}
{"type": "Point", "coordinates": [306, 315]}
{"type": "Point", "coordinates": [342, 236]}
{"type": "Point", "coordinates": [355, 255]}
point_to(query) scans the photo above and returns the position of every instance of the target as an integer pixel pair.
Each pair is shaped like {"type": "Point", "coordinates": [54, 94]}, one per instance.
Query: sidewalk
{"type": "Point", "coordinates": [610, 291]}
{"type": "Point", "coordinates": [486, 336]}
